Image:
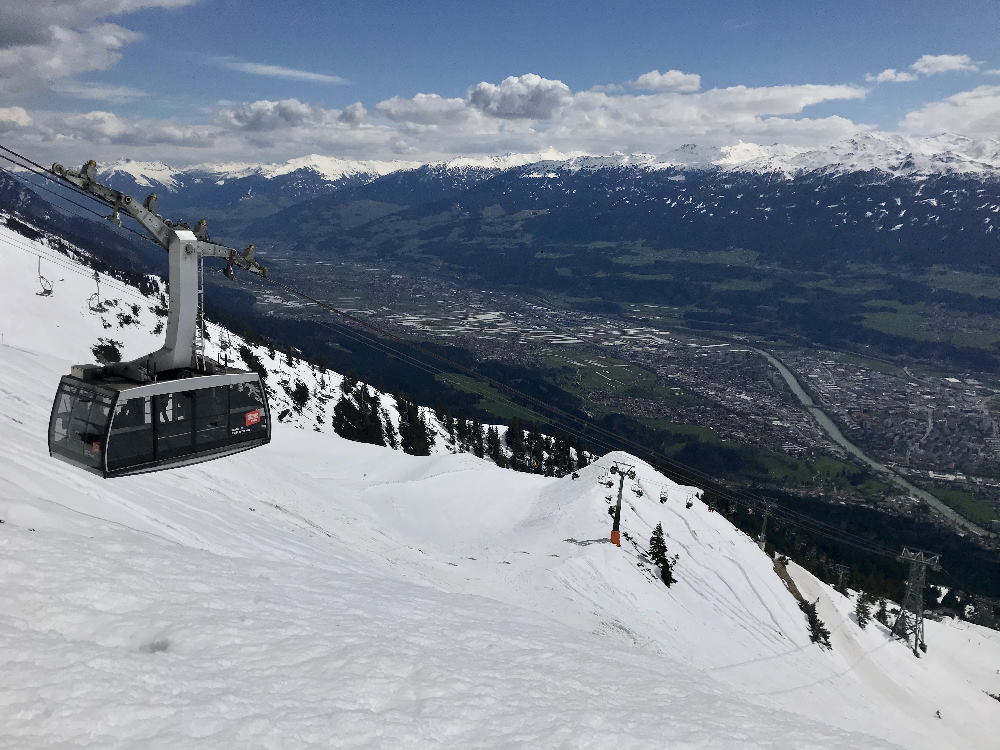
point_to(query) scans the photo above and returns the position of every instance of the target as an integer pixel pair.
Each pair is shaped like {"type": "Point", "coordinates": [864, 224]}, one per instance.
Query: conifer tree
{"type": "Point", "coordinates": [300, 395]}
{"type": "Point", "coordinates": [440, 412]}
{"type": "Point", "coordinates": [818, 632]}
{"type": "Point", "coordinates": [357, 416]}
{"type": "Point", "coordinates": [863, 609]}
{"type": "Point", "coordinates": [515, 442]}
{"type": "Point", "coordinates": [658, 554]}
{"type": "Point", "coordinates": [494, 450]}
{"type": "Point", "coordinates": [882, 614]}
{"type": "Point", "coordinates": [478, 439]}
{"type": "Point", "coordinates": [391, 436]}
{"type": "Point", "coordinates": [414, 437]}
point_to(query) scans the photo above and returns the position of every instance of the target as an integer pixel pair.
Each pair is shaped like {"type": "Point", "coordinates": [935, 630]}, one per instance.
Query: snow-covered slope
{"type": "Point", "coordinates": [318, 592]}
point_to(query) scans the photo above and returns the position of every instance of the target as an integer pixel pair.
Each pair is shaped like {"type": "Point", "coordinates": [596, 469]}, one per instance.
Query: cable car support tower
{"type": "Point", "coordinates": [186, 248]}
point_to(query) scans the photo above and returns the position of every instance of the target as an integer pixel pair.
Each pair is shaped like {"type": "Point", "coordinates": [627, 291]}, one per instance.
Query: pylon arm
{"type": "Point", "coordinates": [85, 179]}
{"type": "Point", "coordinates": [245, 260]}
{"type": "Point", "coordinates": [185, 249]}
{"type": "Point", "coordinates": [163, 231]}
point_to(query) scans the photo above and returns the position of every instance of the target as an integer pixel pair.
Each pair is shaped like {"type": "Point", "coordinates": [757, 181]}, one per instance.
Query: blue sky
{"type": "Point", "coordinates": [208, 80]}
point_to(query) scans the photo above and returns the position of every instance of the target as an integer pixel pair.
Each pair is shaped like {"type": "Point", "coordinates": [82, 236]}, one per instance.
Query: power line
{"type": "Point", "coordinates": [25, 182]}
{"type": "Point", "coordinates": [40, 171]}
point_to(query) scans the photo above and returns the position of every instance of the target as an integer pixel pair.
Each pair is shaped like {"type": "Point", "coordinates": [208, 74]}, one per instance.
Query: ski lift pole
{"type": "Point", "coordinates": [617, 468]}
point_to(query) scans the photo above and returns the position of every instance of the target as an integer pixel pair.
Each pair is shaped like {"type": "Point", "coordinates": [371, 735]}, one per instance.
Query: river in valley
{"type": "Point", "coordinates": [833, 431]}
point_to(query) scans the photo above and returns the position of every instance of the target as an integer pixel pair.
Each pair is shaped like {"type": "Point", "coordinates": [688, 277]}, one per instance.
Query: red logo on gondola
{"type": "Point", "coordinates": [252, 417]}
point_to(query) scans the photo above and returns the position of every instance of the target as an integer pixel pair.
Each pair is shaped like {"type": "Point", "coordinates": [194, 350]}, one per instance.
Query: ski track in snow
{"type": "Point", "coordinates": [322, 593]}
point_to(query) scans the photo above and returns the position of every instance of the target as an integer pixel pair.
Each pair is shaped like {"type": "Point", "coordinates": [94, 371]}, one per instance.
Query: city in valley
{"type": "Point", "coordinates": [936, 430]}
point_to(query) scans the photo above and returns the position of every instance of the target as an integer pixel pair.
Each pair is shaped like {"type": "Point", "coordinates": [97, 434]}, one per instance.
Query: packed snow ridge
{"type": "Point", "coordinates": [318, 592]}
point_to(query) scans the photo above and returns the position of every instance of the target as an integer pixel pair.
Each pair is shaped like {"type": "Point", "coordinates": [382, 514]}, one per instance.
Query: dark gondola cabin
{"type": "Point", "coordinates": [171, 407]}
{"type": "Point", "coordinates": [115, 427]}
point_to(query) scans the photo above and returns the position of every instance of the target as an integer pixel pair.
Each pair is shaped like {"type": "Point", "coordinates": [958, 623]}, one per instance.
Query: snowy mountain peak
{"type": "Point", "coordinates": [508, 160]}
{"type": "Point", "coordinates": [153, 174]}
{"type": "Point", "coordinates": [329, 168]}
{"type": "Point", "coordinates": [893, 153]}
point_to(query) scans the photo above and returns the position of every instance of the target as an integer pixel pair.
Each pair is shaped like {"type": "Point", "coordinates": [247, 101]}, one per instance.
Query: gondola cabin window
{"type": "Point", "coordinates": [80, 420]}
{"type": "Point", "coordinates": [246, 411]}
{"type": "Point", "coordinates": [131, 438]}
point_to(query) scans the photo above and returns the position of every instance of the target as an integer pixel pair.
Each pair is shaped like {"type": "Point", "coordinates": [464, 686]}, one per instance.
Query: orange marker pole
{"type": "Point", "coordinates": [616, 536]}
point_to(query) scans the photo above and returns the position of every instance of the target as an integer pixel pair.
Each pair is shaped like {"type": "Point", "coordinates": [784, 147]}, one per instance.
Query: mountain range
{"type": "Point", "coordinates": [896, 154]}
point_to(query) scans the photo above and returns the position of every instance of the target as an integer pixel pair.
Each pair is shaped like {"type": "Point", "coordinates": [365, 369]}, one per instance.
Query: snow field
{"type": "Point", "coordinates": [323, 593]}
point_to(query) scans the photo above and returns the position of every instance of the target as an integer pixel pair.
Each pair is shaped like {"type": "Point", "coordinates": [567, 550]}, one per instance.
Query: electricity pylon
{"type": "Point", "coordinates": [909, 624]}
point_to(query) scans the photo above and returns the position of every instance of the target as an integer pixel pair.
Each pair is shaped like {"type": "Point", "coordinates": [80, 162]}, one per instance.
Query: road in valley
{"type": "Point", "coordinates": [833, 431]}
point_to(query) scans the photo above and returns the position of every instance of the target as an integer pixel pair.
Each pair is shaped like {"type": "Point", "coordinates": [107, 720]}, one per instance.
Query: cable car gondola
{"type": "Point", "coordinates": [172, 407]}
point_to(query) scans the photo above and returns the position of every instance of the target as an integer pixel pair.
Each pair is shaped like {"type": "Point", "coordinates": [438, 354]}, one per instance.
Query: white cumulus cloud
{"type": "Point", "coordinates": [891, 75]}
{"type": "Point", "coordinates": [521, 114]}
{"type": "Point", "coordinates": [66, 53]}
{"type": "Point", "coordinates": [108, 128]}
{"type": "Point", "coordinates": [972, 113]}
{"type": "Point", "coordinates": [424, 109]}
{"type": "Point", "coordinates": [13, 117]}
{"type": "Point", "coordinates": [46, 41]}
{"type": "Point", "coordinates": [273, 115]}
{"type": "Point", "coordinates": [527, 96]}
{"type": "Point", "coordinates": [929, 65]}
{"type": "Point", "coordinates": [672, 80]}
{"type": "Point", "coordinates": [353, 114]}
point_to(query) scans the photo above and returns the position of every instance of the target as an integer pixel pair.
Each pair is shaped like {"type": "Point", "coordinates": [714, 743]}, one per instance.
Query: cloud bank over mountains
{"type": "Point", "coordinates": [47, 46]}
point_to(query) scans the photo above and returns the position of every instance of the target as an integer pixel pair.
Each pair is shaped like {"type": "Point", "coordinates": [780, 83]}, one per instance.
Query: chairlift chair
{"type": "Point", "coordinates": [46, 285]}
{"type": "Point", "coordinates": [174, 406]}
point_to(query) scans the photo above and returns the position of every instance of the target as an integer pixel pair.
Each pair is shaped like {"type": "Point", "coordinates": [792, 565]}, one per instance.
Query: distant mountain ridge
{"type": "Point", "coordinates": [896, 154]}
{"type": "Point", "coordinates": [239, 193]}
